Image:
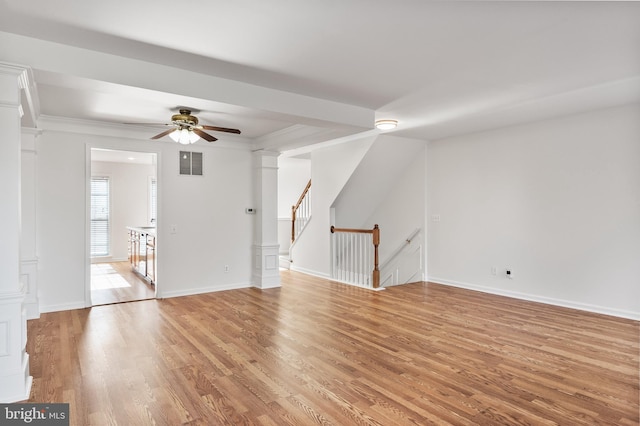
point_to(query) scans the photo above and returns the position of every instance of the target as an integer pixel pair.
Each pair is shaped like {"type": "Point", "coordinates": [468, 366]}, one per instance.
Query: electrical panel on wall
{"type": "Point", "coordinates": [191, 163]}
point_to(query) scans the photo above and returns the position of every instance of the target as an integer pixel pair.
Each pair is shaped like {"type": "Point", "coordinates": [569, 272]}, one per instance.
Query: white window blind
{"type": "Point", "coordinates": [100, 240]}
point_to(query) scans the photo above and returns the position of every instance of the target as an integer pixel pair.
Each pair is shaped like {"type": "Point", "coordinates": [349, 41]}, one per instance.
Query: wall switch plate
{"type": "Point", "coordinates": [226, 268]}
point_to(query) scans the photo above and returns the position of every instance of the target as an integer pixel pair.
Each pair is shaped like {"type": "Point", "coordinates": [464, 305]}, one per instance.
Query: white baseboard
{"type": "Point", "coordinates": [540, 299]}
{"type": "Point", "coordinates": [62, 307]}
{"type": "Point", "coordinates": [202, 290]}
{"type": "Point", "coordinates": [310, 272]}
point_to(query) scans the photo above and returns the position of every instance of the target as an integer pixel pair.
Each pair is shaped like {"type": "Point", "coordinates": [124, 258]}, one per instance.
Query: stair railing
{"type": "Point", "coordinates": [301, 212]}
{"type": "Point", "coordinates": [394, 254]}
{"type": "Point", "coordinates": [355, 256]}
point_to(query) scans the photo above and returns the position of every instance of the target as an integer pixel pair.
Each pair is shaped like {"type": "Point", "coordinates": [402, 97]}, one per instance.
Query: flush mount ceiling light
{"type": "Point", "coordinates": [386, 124]}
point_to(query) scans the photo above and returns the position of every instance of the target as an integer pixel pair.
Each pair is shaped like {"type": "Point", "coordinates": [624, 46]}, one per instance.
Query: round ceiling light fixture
{"type": "Point", "coordinates": [386, 124]}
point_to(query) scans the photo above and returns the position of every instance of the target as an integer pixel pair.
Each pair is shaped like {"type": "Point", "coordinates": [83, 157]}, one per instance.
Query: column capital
{"type": "Point", "coordinates": [14, 78]}
{"type": "Point", "coordinates": [13, 69]}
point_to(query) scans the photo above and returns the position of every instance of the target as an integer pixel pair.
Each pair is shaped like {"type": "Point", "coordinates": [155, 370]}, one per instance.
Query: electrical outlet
{"type": "Point", "coordinates": [226, 268]}
{"type": "Point", "coordinates": [173, 229]}
{"type": "Point", "coordinates": [509, 273]}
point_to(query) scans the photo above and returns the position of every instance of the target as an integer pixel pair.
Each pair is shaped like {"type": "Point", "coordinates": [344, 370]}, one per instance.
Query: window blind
{"type": "Point", "coordinates": [100, 226]}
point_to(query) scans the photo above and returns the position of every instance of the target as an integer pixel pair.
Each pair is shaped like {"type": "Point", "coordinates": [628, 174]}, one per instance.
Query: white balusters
{"type": "Point", "coordinates": [354, 255]}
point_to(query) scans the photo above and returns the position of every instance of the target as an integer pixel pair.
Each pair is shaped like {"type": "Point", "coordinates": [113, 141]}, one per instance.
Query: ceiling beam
{"type": "Point", "coordinates": [132, 73]}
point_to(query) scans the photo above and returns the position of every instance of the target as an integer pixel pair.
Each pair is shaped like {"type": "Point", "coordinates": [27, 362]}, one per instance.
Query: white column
{"type": "Point", "coordinates": [15, 381]}
{"type": "Point", "coordinates": [266, 273]}
{"type": "Point", "coordinates": [28, 258]}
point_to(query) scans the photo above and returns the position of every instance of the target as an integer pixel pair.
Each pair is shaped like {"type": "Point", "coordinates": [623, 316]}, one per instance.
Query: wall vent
{"type": "Point", "coordinates": [190, 163]}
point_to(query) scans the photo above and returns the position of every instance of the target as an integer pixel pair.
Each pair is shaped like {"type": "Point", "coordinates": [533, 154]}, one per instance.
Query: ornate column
{"type": "Point", "coordinates": [15, 381]}
{"type": "Point", "coordinates": [266, 272]}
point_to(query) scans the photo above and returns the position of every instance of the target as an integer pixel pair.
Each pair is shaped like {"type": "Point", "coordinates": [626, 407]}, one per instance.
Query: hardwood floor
{"type": "Point", "coordinates": [318, 352]}
{"type": "Point", "coordinates": [115, 282]}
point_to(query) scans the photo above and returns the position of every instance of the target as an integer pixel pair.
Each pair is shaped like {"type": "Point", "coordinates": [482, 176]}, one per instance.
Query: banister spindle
{"type": "Point", "coordinates": [352, 255]}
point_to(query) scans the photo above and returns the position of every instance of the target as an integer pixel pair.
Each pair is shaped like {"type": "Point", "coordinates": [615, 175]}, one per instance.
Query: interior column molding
{"type": "Point", "coordinates": [28, 256]}
{"type": "Point", "coordinates": [15, 381]}
{"type": "Point", "coordinates": [266, 272]}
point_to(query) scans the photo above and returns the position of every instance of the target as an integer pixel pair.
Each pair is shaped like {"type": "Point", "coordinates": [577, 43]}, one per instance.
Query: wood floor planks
{"type": "Point", "coordinates": [318, 352]}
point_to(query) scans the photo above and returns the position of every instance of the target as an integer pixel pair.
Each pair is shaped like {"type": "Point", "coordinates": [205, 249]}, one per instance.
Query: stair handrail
{"type": "Point", "coordinates": [399, 249]}
{"type": "Point", "coordinates": [376, 242]}
{"type": "Point", "coordinates": [294, 210]}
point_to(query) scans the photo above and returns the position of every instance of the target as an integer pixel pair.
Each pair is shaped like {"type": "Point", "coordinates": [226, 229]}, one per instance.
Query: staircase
{"type": "Point", "coordinates": [300, 217]}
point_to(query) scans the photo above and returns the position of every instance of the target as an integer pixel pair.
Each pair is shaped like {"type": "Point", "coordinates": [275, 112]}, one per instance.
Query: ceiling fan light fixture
{"type": "Point", "coordinates": [175, 136]}
{"type": "Point", "coordinates": [184, 136]}
{"type": "Point", "coordinates": [185, 129]}
{"type": "Point", "coordinates": [386, 124]}
{"type": "Point", "coordinates": [193, 137]}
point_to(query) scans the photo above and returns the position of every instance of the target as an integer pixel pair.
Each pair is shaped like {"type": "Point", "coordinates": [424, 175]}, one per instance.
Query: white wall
{"type": "Point", "coordinates": [557, 201]}
{"type": "Point", "coordinates": [129, 192]}
{"type": "Point", "coordinates": [207, 211]}
{"type": "Point", "coordinates": [60, 221]}
{"type": "Point", "coordinates": [374, 178]}
{"type": "Point", "coordinates": [403, 208]}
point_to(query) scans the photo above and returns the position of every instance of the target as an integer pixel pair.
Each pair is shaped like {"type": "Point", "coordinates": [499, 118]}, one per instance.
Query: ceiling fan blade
{"type": "Point", "coordinates": [204, 135]}
{"type": "Point", "coordinates": [165, 133]}
{"type": "Point", "coordinates": [222, 129]}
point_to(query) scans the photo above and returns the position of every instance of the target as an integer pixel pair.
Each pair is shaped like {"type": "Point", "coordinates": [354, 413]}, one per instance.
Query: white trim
{"type": "Point", "coordinates": [63, 307]}
{"type": "Point", "coordinates": [202, 290]}
{"type": "Point", "coordinates": [310, 272]}
{"type": "Point", "coordinates": [540, 299]}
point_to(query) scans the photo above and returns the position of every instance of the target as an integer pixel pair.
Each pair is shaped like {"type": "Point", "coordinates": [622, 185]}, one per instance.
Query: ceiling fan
{"type": "Point", "coordinates": [185, 129]}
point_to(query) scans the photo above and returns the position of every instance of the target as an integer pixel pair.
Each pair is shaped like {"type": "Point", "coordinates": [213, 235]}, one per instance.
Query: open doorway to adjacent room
{"type": "Point", "coordinates": [123, 217]}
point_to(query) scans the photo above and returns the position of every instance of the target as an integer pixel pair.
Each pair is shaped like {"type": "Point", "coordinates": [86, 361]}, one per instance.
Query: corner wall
{"type": "Point", "coordinates": [557, 202]}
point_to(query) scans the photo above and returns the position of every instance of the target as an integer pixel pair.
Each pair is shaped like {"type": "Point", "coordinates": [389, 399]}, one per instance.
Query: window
{"type": "Point", "coordinates": [100, 226]}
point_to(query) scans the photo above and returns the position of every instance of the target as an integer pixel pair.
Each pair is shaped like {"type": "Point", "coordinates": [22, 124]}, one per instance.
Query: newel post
{"type": "Point", "coordinates": [376, 243]}
{"type": "Point", "coordinates": [293, 223]}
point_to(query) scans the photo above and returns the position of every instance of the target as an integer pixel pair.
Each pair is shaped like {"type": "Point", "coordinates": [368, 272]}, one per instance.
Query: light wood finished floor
{"type": "Point", "coordinates": [116, 282]}
{"type": "Point", "coordinates": [317, 352]}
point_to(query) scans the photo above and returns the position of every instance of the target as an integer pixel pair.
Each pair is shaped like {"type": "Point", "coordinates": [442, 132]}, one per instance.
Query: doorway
{"type": "Point", "coordinates": [122, 196]}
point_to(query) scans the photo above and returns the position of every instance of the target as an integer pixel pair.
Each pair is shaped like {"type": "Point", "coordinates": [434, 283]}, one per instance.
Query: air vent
{"type": "Point", "coordinates": [190, 163]}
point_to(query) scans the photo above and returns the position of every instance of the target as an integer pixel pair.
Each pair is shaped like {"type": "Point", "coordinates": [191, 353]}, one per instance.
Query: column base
{"type": "Point", "coordinates": [15, 381]}
{"type": "Point", "coordinates": [266, 272]}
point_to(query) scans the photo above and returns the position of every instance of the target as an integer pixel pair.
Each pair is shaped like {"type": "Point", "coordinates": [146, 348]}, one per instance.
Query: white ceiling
{"type": "Point", "coordinates": [325, 69]}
